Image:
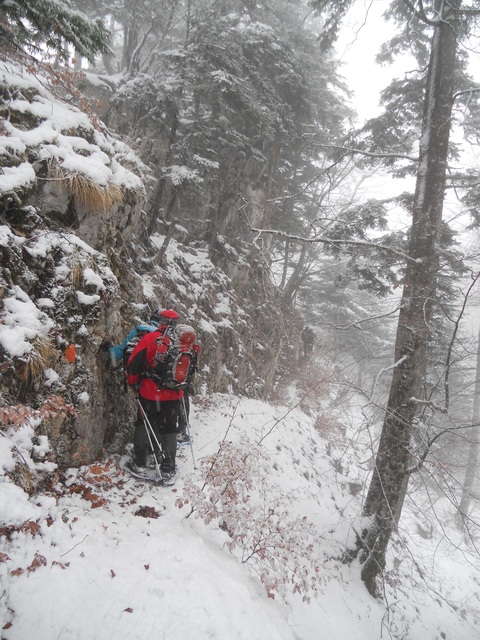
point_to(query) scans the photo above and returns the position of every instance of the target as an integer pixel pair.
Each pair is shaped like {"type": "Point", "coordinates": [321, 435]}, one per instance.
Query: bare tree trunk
{"type": "Point", "coordinates": [297, 276]}
{"type": "Point", "coordinates": [268, 193]}
{"type": "Point", "coordinates": [390, 476]}
{"type": "Point", "coordinates": [166, 242]}
{"type": "Point", "coordinates": [286, 254]}
{"type": "Point", "coordinates": [470, 471]}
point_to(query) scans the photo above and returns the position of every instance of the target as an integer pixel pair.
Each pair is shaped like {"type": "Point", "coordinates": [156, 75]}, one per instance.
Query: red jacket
{"type": "Point", "coordinates": [142, 360]}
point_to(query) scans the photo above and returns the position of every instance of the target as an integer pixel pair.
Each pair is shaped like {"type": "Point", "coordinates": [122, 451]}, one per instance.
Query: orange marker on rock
{"type": "Point", "coordinates": [70, 353]}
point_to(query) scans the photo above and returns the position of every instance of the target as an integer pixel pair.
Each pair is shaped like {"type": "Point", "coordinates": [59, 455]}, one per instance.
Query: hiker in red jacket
{"type": "Point", "coordinates": [161, 405]}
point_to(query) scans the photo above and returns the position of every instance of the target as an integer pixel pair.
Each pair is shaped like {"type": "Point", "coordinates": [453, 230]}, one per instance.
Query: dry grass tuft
{"type": "Point", "coordinates": [32, 368]}
{"type": "Point", "coordinates": [77, 275]}
{"type": "Point", "coordinates": [92, 195]}
{"type": "Point", "coordinates": [86, 191]}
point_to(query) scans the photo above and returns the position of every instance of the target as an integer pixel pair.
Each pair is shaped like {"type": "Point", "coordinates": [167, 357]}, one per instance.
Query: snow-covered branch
{"type": "Point", "coordinates": [432, 441]}
{"type": "Point", "coordinates": [385, 370]}
{"type": "Point", "coordinates": [466, 91]}
{"type": "Point", "coordinates": [345, 327]}
{"type": "Point", "coordinates": [370, 154]}
{"type": "Point", "coordinates": [420, 13]}
{"type": "Point", "coordinates": [337, 242]}
{"type": "Point", "coordinates": [428, 403]}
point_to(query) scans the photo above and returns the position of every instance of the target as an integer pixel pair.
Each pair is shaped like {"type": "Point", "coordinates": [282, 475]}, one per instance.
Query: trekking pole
{"type": "Point", "coordinates": [187, 427]}
{"type": "Point", "coordinates": [150, 433]}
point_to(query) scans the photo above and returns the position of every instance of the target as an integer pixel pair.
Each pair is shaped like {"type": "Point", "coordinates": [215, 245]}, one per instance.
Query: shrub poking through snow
{"type": "Point", "coordinates": [18, 415]}
{"type": "Point", "coordinates": [25, 452]}
{"type": "Point", "coordinates": [282, 550]}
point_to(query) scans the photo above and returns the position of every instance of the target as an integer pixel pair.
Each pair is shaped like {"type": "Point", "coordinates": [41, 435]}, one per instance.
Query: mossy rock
{"type": "Point", "coordinates": [22, 477]}
{"type": "Point", "coordinates": [23, 120]}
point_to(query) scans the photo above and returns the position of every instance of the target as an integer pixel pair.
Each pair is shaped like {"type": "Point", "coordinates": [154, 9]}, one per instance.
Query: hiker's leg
{"type": "Point", "coordinates": [182, 421]}
{"type": "Point", "coordinates": [183, 413]}
{"type": "Point", "coordinates": [186, 400]}
{"type": "Point", "coordinates": [167, 424]}
{"type": "Point", "coordinates": [141, 444]}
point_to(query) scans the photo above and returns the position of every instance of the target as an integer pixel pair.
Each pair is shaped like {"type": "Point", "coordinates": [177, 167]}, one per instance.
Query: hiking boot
{"type": "Point", "coordinates": [152, 460]}
{"type": "Point", "coordinates": [169, 475]}
{"type": "Point", "coordinates": [183, 438]}
{"type": "Point", "coordinates": [140, 472]}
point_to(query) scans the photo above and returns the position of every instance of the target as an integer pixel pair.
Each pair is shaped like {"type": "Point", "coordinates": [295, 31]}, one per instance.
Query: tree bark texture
{"type": "Point", "coordinates": [389, 480]}
{"type": "Point", "coordinates": [297, 277]}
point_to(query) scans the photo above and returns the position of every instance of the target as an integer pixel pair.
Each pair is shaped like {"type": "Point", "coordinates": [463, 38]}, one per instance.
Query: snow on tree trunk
{"type": "Point", "coordinates": [389, 481]}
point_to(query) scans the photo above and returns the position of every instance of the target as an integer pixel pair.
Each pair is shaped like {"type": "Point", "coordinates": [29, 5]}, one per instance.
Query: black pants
{"type": "Point", "coordinates": [307, 349]}
{"type": "Point", "coordinates": [184, 412]}
{"type": "Point", "coordinates": [163, 417]}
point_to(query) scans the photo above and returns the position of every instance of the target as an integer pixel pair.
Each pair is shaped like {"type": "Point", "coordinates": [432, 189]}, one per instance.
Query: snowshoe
{"type": "Point", "coordinates": [142, 473]}
{"type": "Point", "coordinates": [184, 439]}
{"type": "Point", "coordinates": [152, 460]}
{"type": "Point", "coordinates": [169, 476]}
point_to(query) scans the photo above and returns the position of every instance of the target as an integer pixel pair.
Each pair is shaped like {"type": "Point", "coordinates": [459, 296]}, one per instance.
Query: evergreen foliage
{"type": "Point", "coordinates": [229, 99]}
{"type": "Point", "coordinates": [32, 25]}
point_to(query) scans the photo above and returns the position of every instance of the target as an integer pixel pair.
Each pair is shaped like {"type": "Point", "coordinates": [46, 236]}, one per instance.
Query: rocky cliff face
{"type": "Point", "coordinates": [79, 267]}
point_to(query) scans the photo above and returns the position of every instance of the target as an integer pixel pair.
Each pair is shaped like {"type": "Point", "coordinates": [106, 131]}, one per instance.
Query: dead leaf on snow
{"type": "Point", "coordinates": [147, 512]}
{"type": "Point", "coordinates": [38, 561]}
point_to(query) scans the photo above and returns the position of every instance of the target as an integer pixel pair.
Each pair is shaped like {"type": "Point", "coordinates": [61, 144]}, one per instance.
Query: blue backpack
{"type": "Point", "coordinates": [123, 351]}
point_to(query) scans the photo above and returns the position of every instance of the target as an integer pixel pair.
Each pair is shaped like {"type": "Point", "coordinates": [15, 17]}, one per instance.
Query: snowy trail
{"type": "Point", "coordinates": [106, 556]}
{"type": "Point", "coordinates": [112, 574]}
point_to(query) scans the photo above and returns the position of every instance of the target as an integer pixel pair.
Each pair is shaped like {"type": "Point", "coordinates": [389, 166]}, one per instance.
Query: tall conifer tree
{"type": "Point", "coordinates": [432, 29]}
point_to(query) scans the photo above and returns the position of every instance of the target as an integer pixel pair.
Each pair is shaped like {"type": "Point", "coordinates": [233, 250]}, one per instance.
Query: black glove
{"type": "Point", "coordinates": [105, 346]}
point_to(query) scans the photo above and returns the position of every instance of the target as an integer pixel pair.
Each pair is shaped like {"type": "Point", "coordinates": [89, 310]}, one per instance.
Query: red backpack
{"type": "Point", "coordinates": [171, 366]}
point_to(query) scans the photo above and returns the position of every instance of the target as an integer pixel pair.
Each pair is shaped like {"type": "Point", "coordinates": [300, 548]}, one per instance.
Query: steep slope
{"type": "Point", "coordinates": [79, 268]}
{"type": "Point", "coordinates": [100, 555]}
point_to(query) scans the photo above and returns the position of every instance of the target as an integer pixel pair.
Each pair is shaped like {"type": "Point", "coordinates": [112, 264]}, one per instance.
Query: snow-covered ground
{"type": "Point", "coordinates": [102, 555]}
